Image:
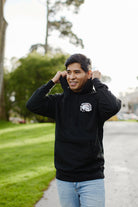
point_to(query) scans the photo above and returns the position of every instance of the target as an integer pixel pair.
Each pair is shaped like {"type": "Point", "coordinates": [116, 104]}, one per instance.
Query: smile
{"type": "Point", "coordinates": [73, 83]}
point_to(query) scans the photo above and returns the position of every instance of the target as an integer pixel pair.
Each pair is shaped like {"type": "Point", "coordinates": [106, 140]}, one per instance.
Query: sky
{"type": "Point", "coordinates": [109, 29]}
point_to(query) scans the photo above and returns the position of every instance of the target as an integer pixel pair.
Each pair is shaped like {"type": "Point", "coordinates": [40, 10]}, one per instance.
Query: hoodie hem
{"type": "Point", "coordinates": [79, 178]}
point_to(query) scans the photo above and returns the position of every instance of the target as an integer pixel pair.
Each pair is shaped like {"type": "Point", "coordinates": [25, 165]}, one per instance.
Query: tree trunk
{"type": "Point", "coordinates": [3, 25]}
{"type": "Point", "coordinates": [2, 105]}
{"type": "Point", "coordinates": [46, 37]}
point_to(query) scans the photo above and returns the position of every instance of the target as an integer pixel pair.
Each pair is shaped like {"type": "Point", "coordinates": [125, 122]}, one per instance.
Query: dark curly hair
{"type": "Point", "coordinates": [79, 58]}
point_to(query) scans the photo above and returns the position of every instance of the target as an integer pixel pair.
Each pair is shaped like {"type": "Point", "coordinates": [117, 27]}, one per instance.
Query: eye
{"type": "Point", "coordinates": [68, 72]}
{"type": "Point", "coordinates": [77, 71]}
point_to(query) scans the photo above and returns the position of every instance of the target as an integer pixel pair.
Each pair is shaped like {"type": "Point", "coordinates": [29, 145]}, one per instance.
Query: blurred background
{"type": "Point", "coordinates": [36, 37]}
{"type": "Point", "coordinates": [39, 35]}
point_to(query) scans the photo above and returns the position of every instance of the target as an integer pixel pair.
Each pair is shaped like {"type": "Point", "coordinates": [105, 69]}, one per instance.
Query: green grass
{"type": "Point", "coordinates": [26, 163]}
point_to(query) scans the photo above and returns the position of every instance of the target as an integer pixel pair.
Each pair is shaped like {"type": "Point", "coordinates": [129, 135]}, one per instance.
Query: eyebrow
{"type": "Point", "coordinates": [74, 70]}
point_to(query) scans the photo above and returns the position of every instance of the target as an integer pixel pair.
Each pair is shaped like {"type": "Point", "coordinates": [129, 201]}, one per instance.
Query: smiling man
{"type": "Point", "coordinates": [76, 77]}
{"type": "Point", "coordinates": [79, 112]}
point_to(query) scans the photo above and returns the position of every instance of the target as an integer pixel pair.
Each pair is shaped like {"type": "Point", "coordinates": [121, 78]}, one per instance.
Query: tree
{"type": "Point", "coordinates": [33, 71]}
{"type": "Point", "coordinates": [61, 24]}
{"type": "Point", "coordinates": [3, 25]}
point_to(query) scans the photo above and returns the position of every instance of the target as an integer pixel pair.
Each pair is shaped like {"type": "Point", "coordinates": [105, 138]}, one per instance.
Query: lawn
{"type": "Point", "coordinates": [26, 162]}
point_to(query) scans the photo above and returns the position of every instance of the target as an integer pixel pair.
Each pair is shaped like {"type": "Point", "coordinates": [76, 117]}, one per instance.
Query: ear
{"type": "Point", "coordinates": [89, 74]}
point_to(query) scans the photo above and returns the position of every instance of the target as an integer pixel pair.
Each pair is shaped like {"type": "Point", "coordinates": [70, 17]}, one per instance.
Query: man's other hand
{"type": "Point", "coordinates": [96, 74]}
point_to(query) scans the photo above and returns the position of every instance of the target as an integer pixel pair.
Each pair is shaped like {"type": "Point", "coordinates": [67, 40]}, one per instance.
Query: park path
{"type": "Point", "coordinates": [50, 197]}
{"type": "Point", "coordinates": [121, 167]}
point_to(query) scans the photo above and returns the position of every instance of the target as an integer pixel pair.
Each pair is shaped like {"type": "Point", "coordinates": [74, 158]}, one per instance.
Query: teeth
{"type": "Point", "coordinates": [72, 83]}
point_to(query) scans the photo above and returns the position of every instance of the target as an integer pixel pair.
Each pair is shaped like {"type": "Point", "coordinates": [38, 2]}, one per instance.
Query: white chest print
{"type": "Point", "coordinates": [85, 107]}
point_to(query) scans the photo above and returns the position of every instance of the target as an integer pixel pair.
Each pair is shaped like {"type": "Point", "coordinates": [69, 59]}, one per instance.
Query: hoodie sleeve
{"type": "Point", "coordinates": [41, 103]}
{"type": "Point", "coordinates": [108, 104]}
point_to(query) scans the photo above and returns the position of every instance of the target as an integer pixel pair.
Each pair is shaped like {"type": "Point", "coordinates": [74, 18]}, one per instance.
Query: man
{"type": "Point", "coordinates": [80, 112]}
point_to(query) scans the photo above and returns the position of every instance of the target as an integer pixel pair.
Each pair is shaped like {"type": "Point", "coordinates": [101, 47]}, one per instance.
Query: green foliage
{"type": "Point", "coordinates": [56, 20]}
{"type": "Point", "coordinates": [64, 27]}
{"type": "Point", "coordinates": [61, 24]}
{"type": "Point", "coordinates": [59, 5]}
{"type": "Point", "coordinates": [26, 157]}
{"type": "Point", "coordinates": [33, 71]}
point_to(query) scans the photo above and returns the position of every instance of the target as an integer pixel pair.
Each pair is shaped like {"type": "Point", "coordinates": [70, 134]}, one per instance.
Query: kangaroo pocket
{"type": "Point", "coordinates": [73, 156]}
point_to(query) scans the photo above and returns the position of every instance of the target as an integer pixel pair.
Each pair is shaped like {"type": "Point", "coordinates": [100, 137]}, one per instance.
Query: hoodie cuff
{"type": "Point", "coordinates": [50, 84]}
{"type": "Point", "coordinates": [44, 89]}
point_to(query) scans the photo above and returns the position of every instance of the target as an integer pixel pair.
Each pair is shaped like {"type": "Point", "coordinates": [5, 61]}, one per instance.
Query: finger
{"type": "Point", "coordinates": [64, 73]}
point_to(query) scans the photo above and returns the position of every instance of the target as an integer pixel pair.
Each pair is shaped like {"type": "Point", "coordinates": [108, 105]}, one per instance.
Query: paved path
{"type": "Point", "coordinates": [50, 197]}
{"type": "Point", "coordinates": [121, 167]}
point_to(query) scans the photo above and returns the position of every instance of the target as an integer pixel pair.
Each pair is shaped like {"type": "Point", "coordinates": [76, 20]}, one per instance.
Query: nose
{"type": "Point", "coordinates": [72, 75]}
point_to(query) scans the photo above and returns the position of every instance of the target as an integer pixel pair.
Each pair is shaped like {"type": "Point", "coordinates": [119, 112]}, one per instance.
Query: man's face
{"type": "Point", "coordinates": [76, 77]}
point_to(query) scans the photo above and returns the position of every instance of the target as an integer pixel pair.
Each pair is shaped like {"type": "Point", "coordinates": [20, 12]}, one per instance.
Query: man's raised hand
{"type": "Point", "coordinates": [96, 74]}
{"type": "Point", "coordinates": [56, 78]}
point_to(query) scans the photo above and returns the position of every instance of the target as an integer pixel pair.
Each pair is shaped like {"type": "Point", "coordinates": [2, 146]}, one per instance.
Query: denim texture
{"type": "Point", "coordinates": [81, 194]}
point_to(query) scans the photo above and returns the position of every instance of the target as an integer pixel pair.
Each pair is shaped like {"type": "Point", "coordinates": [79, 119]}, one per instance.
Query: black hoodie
{"type": "Point", "coordinates": [79, 121]}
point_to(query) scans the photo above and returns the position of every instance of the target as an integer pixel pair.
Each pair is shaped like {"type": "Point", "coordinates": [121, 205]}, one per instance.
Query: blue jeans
{"type": "Point", "coordinates": [81, 194]}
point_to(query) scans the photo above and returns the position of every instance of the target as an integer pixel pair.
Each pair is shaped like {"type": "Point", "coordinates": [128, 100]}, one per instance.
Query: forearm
{"type": "Point", "coordinates": [38, 98]}
{"type": "Point", "coordinates": [109, 105]}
